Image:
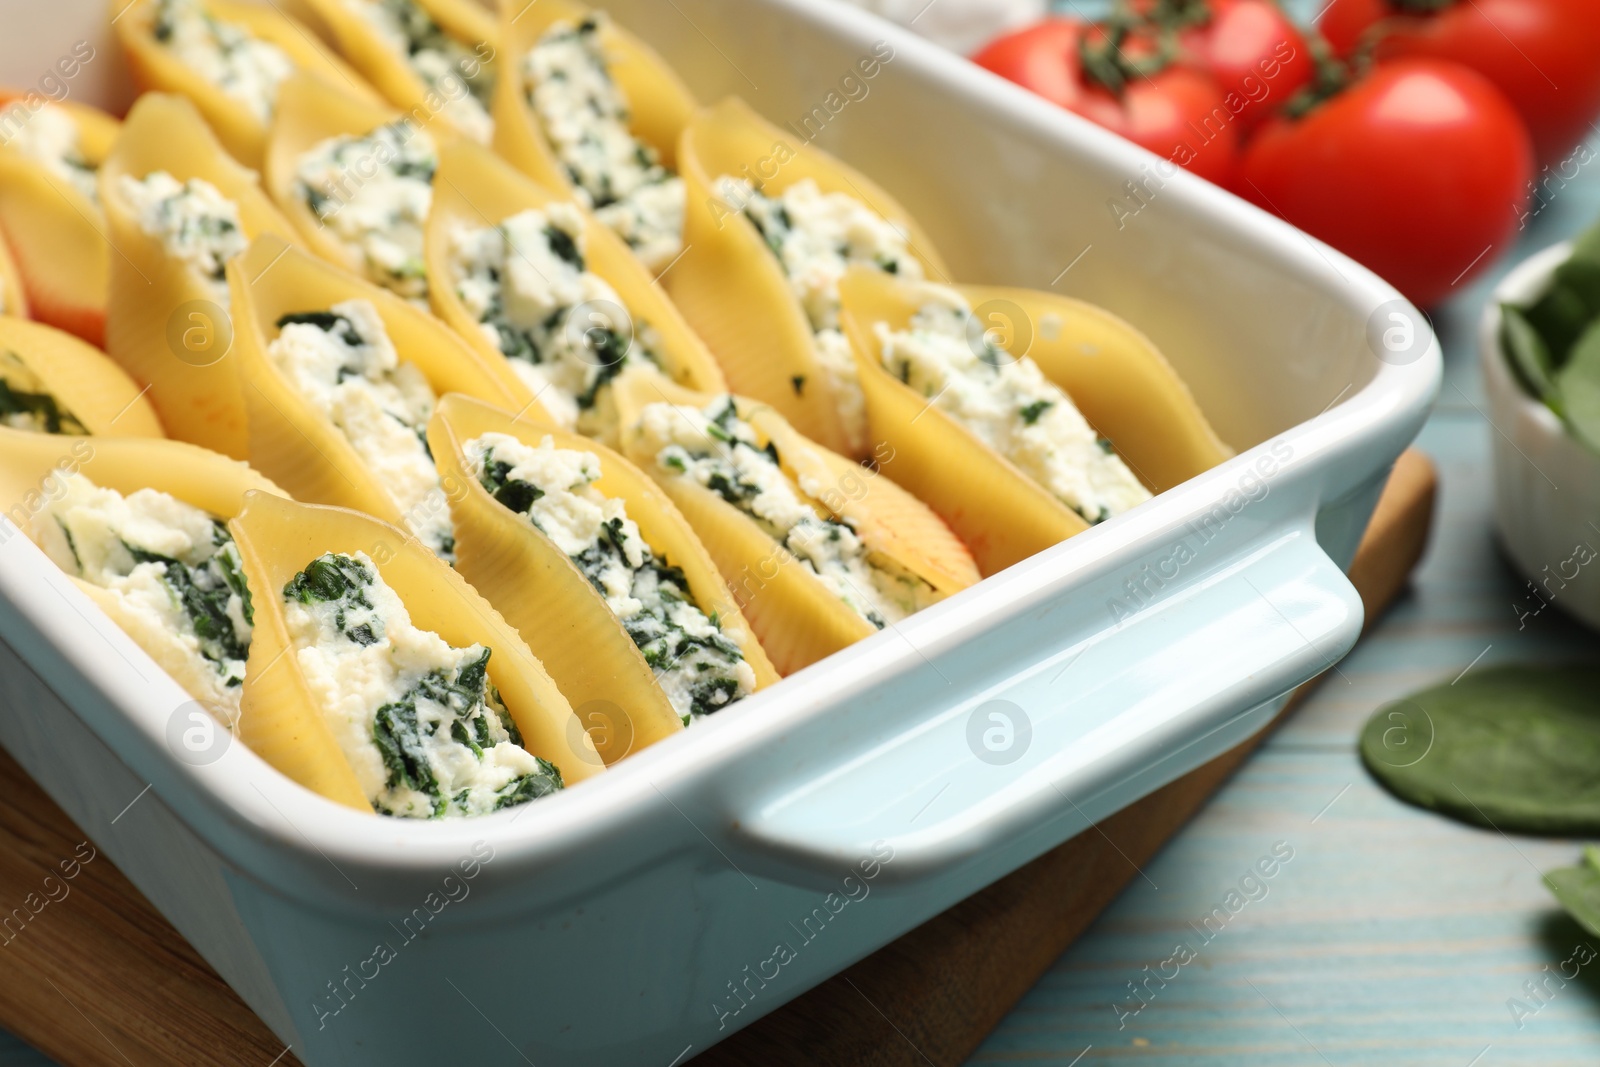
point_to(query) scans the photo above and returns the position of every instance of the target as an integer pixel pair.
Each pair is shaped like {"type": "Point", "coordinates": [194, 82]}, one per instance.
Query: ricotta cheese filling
{"type": "Point", "coordinates": [225, 54]}
{"type": "Point", "coordinates": [25, 403]}
{"type": "Point", "coordinates": [1008, 403]}
{"type": "Point", "coordinates": [419, 721]}
{"type": "Point", "coordinates": [818, 236]}
{"type": "Point", "coordinates": [585, 118]}
{"type": "Point", "coordinates": [193, 221]}
{"type": "Point", "coordinates": [722, 452]}
{"type": "Point", "coordinates": [343, 363]}
{"type": "Point", "coordinates": [450, 68]}
{"type": "Point", "coordinates": [380, 218]}
{"type": "Point", "coordinates": [526, 284]}
{"type": "Point", "coordinates": [699, 669]}
{"type": "Point", "coordinates": [173, 569]}
{"type": "Point", "coordinates": [50, 137]}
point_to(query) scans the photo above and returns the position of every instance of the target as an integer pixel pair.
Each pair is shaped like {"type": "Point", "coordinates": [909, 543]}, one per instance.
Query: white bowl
{"type": "Point", "coordinates": [1546, 481]}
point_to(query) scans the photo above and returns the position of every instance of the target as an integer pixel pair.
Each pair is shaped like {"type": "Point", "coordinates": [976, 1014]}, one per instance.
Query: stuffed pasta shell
{"type": "Point", "coordinates": [356, 180]}
{"type": "Point", "coordinates": [339, 379]}
{"type": "Point", "coordinates": [427, 57]}
{"type": "Point", "coordinates": [583, 105]}
{"type": "Point", "coordinates": [178, 208]}
{"type": "Point", "coordinates": [53, 383]}
{"type": "Point", "coordinates": [13, 299]}
{"type": "Point", "coordinates": [381, 680]}
{"type": "Point", "coordinates": [532, 280]}
{"type": "Point", "coordinates": [227, 56]}
{"type": "Point", "coordinates": [598, 571]}
{"type": "Point", "coordinates": [774, 227]}
{"type": "Point", "coordinates": [50, 156]}
{"type": "Point", "coordinates": [1019, 447]}
{"type": "Point", "coordinates": [140, 527]}
{"type": "Point", "coordinates": [818, 551]}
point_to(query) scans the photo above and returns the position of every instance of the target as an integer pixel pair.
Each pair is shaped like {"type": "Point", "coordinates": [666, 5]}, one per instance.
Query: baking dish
{"type": "Point", "coordinates": [703, 882]}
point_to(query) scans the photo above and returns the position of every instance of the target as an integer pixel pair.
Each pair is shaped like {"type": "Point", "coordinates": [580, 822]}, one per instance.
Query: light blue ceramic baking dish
{"type": "Point", "coordinates": [702, 883]}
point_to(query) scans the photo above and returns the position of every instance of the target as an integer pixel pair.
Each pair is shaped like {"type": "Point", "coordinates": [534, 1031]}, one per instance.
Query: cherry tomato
{"type": "Point", "coordinates": [1418, 170]}
{"type": "Point", "coordinates": [1176, 111]}
{"type": "Point", "coordinates": [1256, 54]}
{"type": "Point", "coordinates": [1543, 54]}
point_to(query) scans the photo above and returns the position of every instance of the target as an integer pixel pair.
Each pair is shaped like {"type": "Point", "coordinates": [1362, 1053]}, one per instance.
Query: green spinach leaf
{"type": "Point", "coordinates": [1578, 890]}
{"type": "Point", "coordinates": [1530, 357]}
{"type": "Point", "coordinates": [1579, 382]}
{"type": "Point", "coordinates": [1513, 748]}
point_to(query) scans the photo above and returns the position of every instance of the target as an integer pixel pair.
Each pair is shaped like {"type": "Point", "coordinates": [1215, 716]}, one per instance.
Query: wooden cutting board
{"type": "Point", "coordinates": [107, 982]}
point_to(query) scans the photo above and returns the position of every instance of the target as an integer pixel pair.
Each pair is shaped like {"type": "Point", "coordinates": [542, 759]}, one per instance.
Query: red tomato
{"type": "Point", "coordinates": [1177, 112]}
{"type": "Point", "coordinates": [1418, 170]}
{"type": "Point", "coordinates": [1256, 54]}
{"type": "Point", "coordinates": [1543, 54]}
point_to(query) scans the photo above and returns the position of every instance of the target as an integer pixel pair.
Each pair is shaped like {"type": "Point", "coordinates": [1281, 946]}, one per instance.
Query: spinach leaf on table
{"type": "Point", "coordinates": [1512, 748]}
{"type": "Point", "coordinates": [1578, 890]}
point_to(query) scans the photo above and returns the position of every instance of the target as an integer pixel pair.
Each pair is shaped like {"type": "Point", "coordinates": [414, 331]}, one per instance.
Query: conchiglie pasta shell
{"type": "Point", "coordinates": [290, 441]}
{"type": "Point", "coordinates": [56, 233]}
{"type": "Point", "coordinates": [157, 303]}
{"type": "Point", "coordinates": [31, 464]}
{"type": "Point", "coordinates": [212, 483]}
{"type": "Point", "coordinates": [156, 69]}
{"type": "Point", "coordinates": [1112, 373]}
{"type": "Point", "coordinates": [278, 717]}
{"type": "Point", "coordinates": [475, 188]}
{"type": "Point", "coordinates": [797, 619]}
{"type": "Point", "coordinates": [82, 378]}
{"type": "Point", "coordinates": [889, 520]}
{"type": "Point", "coordinates": [659, 103]}
{"type": "Point", "coordinates": [13, 300]}
{"type": "Point", "coordinates": [541, 592]}
{"type": "Point", "coordinates": [733, 290]}
{"type": "Point", "coordinates": [364, 47]}
{"type": "Point", "coordinates": [309, 113]}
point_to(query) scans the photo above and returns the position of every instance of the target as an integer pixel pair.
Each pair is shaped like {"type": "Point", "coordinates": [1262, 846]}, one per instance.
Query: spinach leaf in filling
{"type": "Point", "coordinates": [342, 580]}
{"type": "Point", "coordinates": [405, 739]}
{"type": "Point", "coordinates": [23, 401]}
{"type": "Point", "coordinates": [655, 583]}
{"type": "Point", "coordinates": [204, 592]}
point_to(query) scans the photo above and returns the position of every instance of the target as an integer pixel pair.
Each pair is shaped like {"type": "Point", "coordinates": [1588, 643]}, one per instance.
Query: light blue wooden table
{"type": "Point", "coordinates": [1392, 937]}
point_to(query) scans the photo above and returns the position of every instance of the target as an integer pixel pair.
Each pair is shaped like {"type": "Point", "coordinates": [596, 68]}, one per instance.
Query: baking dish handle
{"type": "Point", "coordinates": [1103, 716]}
